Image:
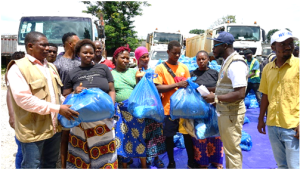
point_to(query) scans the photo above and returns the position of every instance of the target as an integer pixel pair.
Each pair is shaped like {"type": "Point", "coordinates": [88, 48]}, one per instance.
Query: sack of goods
{"type": "Point", "coordinates": [246, 141]}
{"type": "Point", "coordinates": [188, 103]}
{"type": "Point", "coordinates": [144, 101]}
{"type": "Point", "coordinates": [207, 127]}
{"type": "Point", "coordinates": [251, 101]}
{"type": "Point", "coordinates": [179, 140]}
{"type": "Point", "coordinates": [214, 65]}
{"type": "Point", "coordinates": [92, 105]}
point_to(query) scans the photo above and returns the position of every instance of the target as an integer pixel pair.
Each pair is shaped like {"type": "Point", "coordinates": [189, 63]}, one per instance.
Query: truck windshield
{"type": "Point", "coordinates": [165, 38]}
{"type": "Point", "coordinates": [55, 27]}
{"type": "Point", "coordinates": [246, 33]}
{"type": "Point", "coordinates": [163, 55]}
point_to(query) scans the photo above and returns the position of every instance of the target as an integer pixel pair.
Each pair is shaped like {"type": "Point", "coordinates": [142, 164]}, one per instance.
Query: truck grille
{"type": "Point", "coordinates": [240, 50]}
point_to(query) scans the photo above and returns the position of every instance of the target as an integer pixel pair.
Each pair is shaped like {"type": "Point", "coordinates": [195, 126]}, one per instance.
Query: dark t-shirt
{"type": "Point", "coordinates": [64, 65]}
{"type": "Point", "coordinates": [97, 76]}
{"type": "Point", "coordinates": [207, 78]}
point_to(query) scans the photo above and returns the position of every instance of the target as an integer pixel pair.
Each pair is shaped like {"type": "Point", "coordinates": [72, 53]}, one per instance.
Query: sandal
{"type": "Point", "coordinates": [158, 163]}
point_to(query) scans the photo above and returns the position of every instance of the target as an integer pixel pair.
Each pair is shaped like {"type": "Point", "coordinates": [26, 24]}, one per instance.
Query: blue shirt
{"type": "Point", "coordinates": [255, 67]}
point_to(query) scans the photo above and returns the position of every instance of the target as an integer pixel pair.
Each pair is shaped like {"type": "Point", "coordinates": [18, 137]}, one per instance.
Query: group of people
{"type": "Point", "coordinates": [37, 89]}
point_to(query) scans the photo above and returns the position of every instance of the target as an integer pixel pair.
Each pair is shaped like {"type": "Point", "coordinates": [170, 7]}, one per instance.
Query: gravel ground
{"type": "Point", "coordinates": [8, 144]}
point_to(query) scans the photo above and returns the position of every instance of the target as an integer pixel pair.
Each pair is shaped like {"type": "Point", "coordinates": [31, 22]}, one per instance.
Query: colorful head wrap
{"type": "Point", "coordinates": [121, 49]}
{"type": "Point", "coordinates": [140, 51]}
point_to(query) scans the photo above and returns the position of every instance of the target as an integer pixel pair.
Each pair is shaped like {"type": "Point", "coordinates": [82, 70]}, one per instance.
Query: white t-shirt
{"type": "Point", "coordinates": [237, 72]}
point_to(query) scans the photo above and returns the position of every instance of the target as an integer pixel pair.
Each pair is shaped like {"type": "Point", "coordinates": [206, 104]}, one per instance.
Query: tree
{"type": "Point", "coordinates": [223, 20]}
{"type": "Point", "coordinates": [270, 33]}
{"type": "Point", "coordinates": [196, 31]}
{"type": "Point", "coordinates": [117, 16]}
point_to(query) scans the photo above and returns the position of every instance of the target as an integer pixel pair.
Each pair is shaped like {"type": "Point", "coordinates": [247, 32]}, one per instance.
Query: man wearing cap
{"type": "Point", "coordinates": [229, 95]}
{"type": "Point", "coordinates": [254, 74]}
{"type": "Point", "coordinates": [296, 51]}
{"type": "Point", "coordinates": [280, 87]}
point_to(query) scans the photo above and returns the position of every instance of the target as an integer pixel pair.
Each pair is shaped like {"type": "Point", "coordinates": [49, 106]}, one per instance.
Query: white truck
{"type": "Point", "coordinates": [54, 27]}
{"type": "Point", "coordinates": [158, 53]}
{"type": "Point", "coordinates": [246, 36]}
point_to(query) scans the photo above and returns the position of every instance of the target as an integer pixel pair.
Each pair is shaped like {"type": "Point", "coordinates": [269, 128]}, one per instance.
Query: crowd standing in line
{"type": "Point", "coordinates": [37, 89]}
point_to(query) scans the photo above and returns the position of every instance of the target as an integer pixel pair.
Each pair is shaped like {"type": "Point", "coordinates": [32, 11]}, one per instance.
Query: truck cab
{"type": "Point", "coordinates": [246, 36]}
{"type": "Point", "coordinates": [158, 53]}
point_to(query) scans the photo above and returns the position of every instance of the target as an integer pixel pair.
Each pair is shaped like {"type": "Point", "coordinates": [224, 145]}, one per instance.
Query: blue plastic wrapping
{"type": "Point", "coordinates": [158, 63]}
{"type": "Point", "coordinates": [246, 141]}
{"type": "Point", "coordinates": [179, 140]}
{"type": "Point", "coordinates": [250, 100]}
{"type": "Point", "coordinates": [246, 120]}
{"type": "Point", "coordinates": [144, 101]}
{"type": "Point", "coordinates": [207, 127]}
{"type": "Point", "coordinates": [92, 105]}
{"type": "Point", "coordinates": [214, 65]}
{"type": "Point", "coordinates": [188, 103]}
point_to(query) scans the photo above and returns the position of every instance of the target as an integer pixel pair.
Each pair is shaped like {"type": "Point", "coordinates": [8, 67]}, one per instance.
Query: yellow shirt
{"type": "Point", "coordinates": [282, 87]}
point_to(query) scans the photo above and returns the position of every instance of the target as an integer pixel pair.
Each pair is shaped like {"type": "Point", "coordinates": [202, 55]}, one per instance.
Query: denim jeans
{"type": "Point", "coordinates": [41, 154]}
{"type": "Point", "coordinates": [285, 147]}
{"type": "Point", "coordinates": [19, 156]}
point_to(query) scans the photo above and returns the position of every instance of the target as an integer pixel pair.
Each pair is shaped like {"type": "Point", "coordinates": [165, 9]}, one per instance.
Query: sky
{"type": "Point", "coordinates": [169, 15]}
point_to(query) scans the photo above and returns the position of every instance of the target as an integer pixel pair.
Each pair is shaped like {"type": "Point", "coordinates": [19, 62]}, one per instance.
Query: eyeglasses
{"type": "Point", "coordinates": [218, 44]}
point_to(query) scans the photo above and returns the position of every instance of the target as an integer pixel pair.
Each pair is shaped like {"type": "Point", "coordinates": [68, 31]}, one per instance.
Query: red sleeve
{"type": "Point", "coordinates": [109, 64]}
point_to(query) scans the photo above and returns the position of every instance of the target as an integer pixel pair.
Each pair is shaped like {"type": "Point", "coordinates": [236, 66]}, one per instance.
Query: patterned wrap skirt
{"type": "Point", "coordinates": [130, 134]}
{"type": "Point", "coordinates": [92, 146]}
{"type": "Point", "coordinates": [155, 141]}
{"type": "Point", "coordinates": [209, 150]}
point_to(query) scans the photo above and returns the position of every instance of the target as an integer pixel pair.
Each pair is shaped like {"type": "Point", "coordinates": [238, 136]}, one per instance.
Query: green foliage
{"type": "Point", "coordinates": [223, 20]}
{"type": "Point", "coordinates": [196, 31]}
{"type": "Point", "coordinates": [270, 33]}
{"type": "Point", "coordinates": [118, 21]}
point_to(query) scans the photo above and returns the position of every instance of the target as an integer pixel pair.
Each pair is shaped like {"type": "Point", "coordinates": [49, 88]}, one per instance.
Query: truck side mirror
{"type": "Point", "coordinates": [148, 38]}
{"type": "Point", "coordinates": [101, 32]}
{"type": "Point", "coordinates": [263, 35]}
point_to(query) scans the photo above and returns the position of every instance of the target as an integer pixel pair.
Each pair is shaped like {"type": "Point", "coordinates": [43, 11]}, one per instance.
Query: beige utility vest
{"type": "Point", "coordinates": [33, 127]}
{"type": "Point", "coordinates": [224, 86]}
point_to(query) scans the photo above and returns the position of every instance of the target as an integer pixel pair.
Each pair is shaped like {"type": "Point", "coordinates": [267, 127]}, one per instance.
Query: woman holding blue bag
{"type": "Point", "coordinates": [209, 150]}
{"type": "Point", "coordinates": [90, 144]}
{"type": "Point", "coordinates": [130, 131]}
{"type": "Point", "coordinates": [155, 141]}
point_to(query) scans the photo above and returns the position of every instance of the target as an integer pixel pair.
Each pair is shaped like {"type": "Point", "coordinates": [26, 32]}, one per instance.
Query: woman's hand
{"type": "Point", "coordinates": [79, 88]}
{"type": "Point", "coordinates": [139, 73]}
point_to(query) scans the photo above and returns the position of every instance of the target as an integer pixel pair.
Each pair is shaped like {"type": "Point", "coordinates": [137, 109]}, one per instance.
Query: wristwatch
{"type": "Point", "coordinates": [216, 99]}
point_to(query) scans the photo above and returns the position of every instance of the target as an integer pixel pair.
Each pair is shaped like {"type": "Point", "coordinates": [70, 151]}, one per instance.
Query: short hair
{"type": "Point", "coordinates": [202, 51]}
{"type": "Point", "coordinates": [32, 37]}
{"type": "Point", "coordinates": [53, 45]}
{"type": "Point", "coordinates": [83, 42]}
{"type": "Point", "coordinates": [67, 36]}
{"type": "Point", "coordinates": [18, 55]}
{"type": "Point", "coordinates": [172, 44]}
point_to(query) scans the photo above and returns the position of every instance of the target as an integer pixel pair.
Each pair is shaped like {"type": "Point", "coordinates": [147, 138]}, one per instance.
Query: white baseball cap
{"type": "Point", "coordinates": [282, 35]}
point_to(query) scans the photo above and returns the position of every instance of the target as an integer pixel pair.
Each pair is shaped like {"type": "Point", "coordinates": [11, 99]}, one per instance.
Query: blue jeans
{"type": "Point", "coordinates": [41, 154]}
{"type": "Point", "coordinates": [285, 147]}
{"type": "Point", "coordinates": [19, 156]}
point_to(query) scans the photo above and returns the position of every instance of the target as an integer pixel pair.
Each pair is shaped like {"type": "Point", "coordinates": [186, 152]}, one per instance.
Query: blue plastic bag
{"type": "Point", "coordinates": [179, 140]}
{"type": "Point", "coordinates": [250, 101]}
{"type": "Point", "coordinates": [188, 103]}
{"type": "Point", "coordinates": [158, 63]}
{"type": "Point", "coordinates": [246, 141]}
{"type": "Point", "coordinates": [92, 105]}
{"type": "Point", "coordinates": [246, 120]}
{"type": "Point", "coordinates": [207, 127]}
{"type": "Point", "coordinates": [144, 101]}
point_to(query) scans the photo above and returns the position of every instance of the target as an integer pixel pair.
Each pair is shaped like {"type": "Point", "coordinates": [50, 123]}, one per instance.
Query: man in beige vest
{"type": "Point", "coordinates": [35, 88]}
{"type": "Point", "coordinates": [229, 95]}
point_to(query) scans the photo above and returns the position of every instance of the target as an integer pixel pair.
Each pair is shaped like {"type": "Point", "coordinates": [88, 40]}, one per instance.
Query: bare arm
{"type": "Point", "coordinates": [251, 74]}
{"type": "Point", "coordinates": [66, 92]}
{"type": "Point", "coordinates": [112, 92]}
{"type": "Point", "coordinates": [64, 147]}
{"type": "Point", "coordinates": [165, 88]}
{"type": "Point", "coordinates": [237, 94]}
{"type": "Point", "coordinates": [263, 108]}
{"type": "Point", "coordinates": [212, 89]}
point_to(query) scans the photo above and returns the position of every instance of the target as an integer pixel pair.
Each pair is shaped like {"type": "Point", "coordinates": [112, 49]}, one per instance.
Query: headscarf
{"type": "Point", "coordinates": [140, 51]}
{"type": "Point", "coordinates": [121, 49]}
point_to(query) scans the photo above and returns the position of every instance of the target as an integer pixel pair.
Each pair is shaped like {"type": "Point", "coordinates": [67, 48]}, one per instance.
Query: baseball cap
{"type": "Point", "coordinates": [282, 35]}
{"type": "Point", "coordinates": [248, 51]}
{"type": "Point", "coordinates": [224, 37]}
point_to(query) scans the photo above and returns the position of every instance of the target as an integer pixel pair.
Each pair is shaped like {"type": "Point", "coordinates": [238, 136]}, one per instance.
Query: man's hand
{"type": "Point", "coordinates": [209, 98]}
{"type": "Point", "coordinates": [12, 122]}
{"type": "Point", "coordinates": [261, 126]}
{"type": "Point", "coordinates": [68, 113]}
{"type": "Point", "coordinates": [297, 132]}
{"type": "Point", "coordinates": [183, 84]}
{"type": "Point", "coordinates": [79, 88]}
